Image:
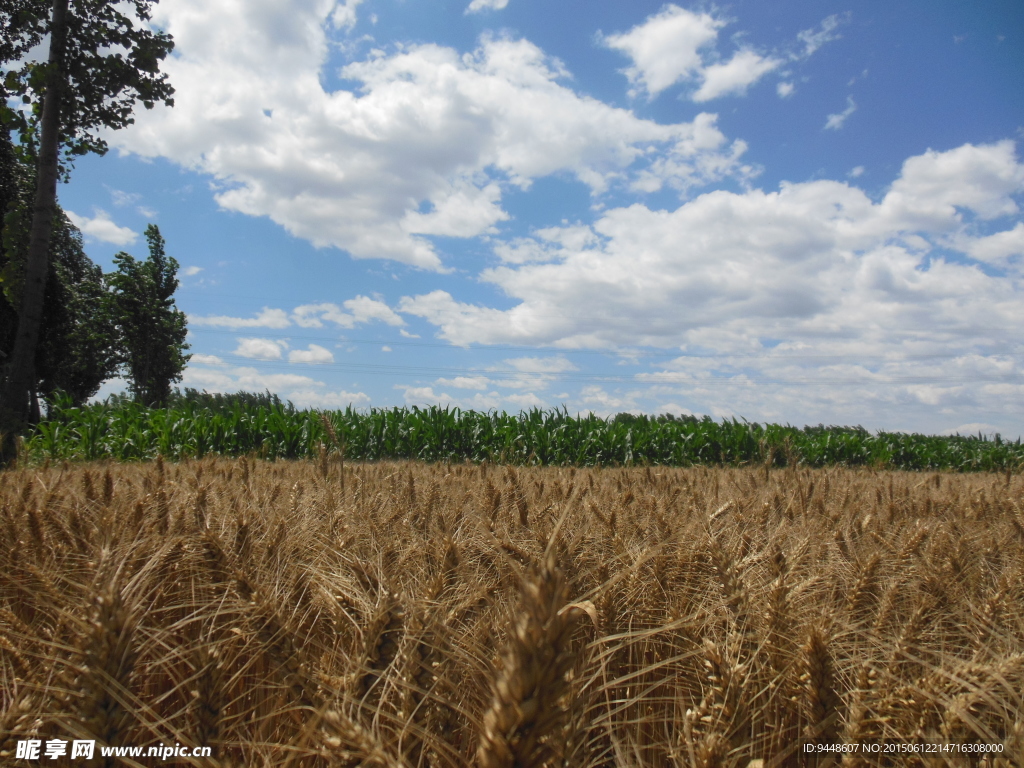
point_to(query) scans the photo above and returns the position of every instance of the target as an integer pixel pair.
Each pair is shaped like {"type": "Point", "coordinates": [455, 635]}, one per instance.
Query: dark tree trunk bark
{"type": "Point", "coordinates": [16, 401]}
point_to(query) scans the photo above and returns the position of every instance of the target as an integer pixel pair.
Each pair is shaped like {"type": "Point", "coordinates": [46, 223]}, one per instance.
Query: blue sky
{"type": "Point", "coordinates": [801, 212]}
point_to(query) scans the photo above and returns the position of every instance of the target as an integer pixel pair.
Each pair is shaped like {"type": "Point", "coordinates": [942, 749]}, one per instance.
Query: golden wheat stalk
{"type": "Point", "coordinates": [527, 721]}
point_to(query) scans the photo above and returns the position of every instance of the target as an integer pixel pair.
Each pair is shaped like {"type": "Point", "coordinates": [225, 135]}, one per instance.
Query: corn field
{"type": "Point", "coordinates": [324, 613]}
{"type": "Point", "coordinates": [225, 426]}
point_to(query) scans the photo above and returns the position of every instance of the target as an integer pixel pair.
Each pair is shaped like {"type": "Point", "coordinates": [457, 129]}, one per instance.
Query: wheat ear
{"type": "Point", "coordinates": [527, 722]}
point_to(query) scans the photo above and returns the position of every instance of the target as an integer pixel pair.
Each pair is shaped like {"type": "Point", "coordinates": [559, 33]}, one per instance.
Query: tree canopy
{"type": "Point", "coordinates": [103, 58]}
{"type": "Point", "coordinates": [76, 350]}
{"type": "Point", "coordinates": [111, 60]}
{"type": "Point", "coordinates": [151, 328]}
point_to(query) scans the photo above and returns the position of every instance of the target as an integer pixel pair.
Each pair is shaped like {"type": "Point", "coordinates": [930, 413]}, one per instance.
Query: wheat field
{"type": "Point", "coordinates": [319, 613]}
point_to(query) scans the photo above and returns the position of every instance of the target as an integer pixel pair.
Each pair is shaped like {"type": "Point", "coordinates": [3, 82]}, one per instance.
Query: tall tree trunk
{"type": "Point", "coordinates": [16, 399]}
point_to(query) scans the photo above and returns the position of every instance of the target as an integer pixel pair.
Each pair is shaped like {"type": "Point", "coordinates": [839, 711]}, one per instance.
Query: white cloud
{"type": "Point", "coordinates": [972, 429]}
{"type": "Point", "coordinates": [679, 46]}
{"type": "Point", "coordinates": [267, 318]}
{"type": "Point", "coordinates": [784, 90]}
{"type": "Point", "coordinates": [479, 5]}
{"type": "Point", "coordinates": [423, 148]}
{"type": "Point", "coordinates": [734, 76]}
{"type": "Point", "coordinates": [604, 403]}
{"type": "Point", "coordinates": [526, 401]}
{"type": "Point", "coordinates": [315, 355]}
{"type": "Point", "coordinates": [101, 227]}
{"type": "Point", "coordinates": [302, 391]}
{"type": "Point", "coordinates": [465, 382]}
{"type": "Point", "coordinates": [997, 249]}
{"type": "Point", "coordinates": [856, 172]}
{"type": "Point", "coordinates": [361, 309]}
{"type": "Point", "coordinates": [246, 379]}
{"type": "Point", "coordinates": [813, 299]}
{"type": "Point", "coordinates": [463, 211]}
{"type": "Point", "coordinates": [199, 359]}
{"type": "Point", "coordinates": [541, 364]}
{"type": "Point", "coordinates": [837, 120]}
{"type": "Point", "coordinates": [344, 14]}
{"type": "Point", "coordinates": [191, 271]}
{"type": "Point", "coordinates": [121, 198]}
{"type": "Point", "coordinates": [425, 396]}
{"type": "Point", "coordinates": [311, 398]}
{"type": "Point", "coordinates": [932, 186]}
{"type": "Point", "coordinates": [260, 349]}
{"type": "Point", "coordinates": [666, 48]}
{"type": "Point", "coordinates": [675, 409]}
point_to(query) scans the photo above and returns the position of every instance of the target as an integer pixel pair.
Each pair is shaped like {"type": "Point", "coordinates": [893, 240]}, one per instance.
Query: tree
{"type": "Point", "coordinates": [151, 329]}
{"type": "Point", "coordinates": [76, 349]}
{"type": "Point", "coordinates": [100, 63]}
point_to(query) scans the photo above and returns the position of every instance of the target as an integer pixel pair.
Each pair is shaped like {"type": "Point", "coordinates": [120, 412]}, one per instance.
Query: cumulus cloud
{"type": "Point", "coordinates": [353, 312]}
{"type": "Point", "coordinates": [526, 400]}
{"type": "Point", "coordinates": [101, 227]}
{"type": "Point", "coordinates": [604, 403]}
{"type": "Point", "coordinates": [361, 309]}
{"type": "Point", "coordinates": [933, 186]}
{"type": "Point", "coordinates": [838, 120]}
{"type": "Point", "coordinates": [312, 398]}
{"type": "Point", "coordinates": [811, 298]}
{"type": "Point", "coordinates": [734, 76]}
{"type": "Point", "coordinates": [422, 147]}
{"type": "Point", "coordinates": [465, 382]}
{"type": "Point", "coordinates": [997, 249]}
{"type": "Point", "coordinates": [260, 349]}
{"type": "Point", "coordinates": [315, 355]}
{"type": "Point", "coordinates": [667, 47]}
{"type": "Point", "coordinates": [425, 396]}
{"type": "Point", "coordinates": [481, 5]}
{"type": "Point", "coordinates": [344, 14]}
{"type": "Point", "coordinates": [199, 359]}
{"type": "Point", "coordinates": [784, 90]}
{"type": "Point", "coordinates": [677, 45]}
{"type": "Point", "coordinates": [302, 391]}
{"type": "Point", "coordinates": [247, 379]}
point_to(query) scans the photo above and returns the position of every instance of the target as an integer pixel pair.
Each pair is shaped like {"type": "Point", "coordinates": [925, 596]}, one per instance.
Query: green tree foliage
{"type": "Point", "coordinates": [111, 60]}
{"type": "Point", "coordinates": [76, 346]}
{"type": "Point", "coordinates": [103, 58]}
{"type": "Point", "coordinates": [151, 328]}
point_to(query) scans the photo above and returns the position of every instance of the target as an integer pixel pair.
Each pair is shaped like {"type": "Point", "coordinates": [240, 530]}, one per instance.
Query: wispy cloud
{"type": "Point", "coordinates": [813, 38]}
{"type": "Point", "coordinates": [836, 121]}
{"type": "Point", "coordinates": [267, 318]}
